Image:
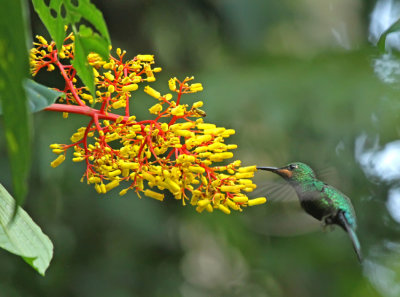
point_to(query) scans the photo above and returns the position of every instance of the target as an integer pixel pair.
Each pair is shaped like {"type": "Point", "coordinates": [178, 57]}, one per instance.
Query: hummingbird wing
{"type": "Point", "coordinates": [275, 191]}
{"type": "Point", "coordinates": [283, 216]}
{"type": "Point", "coordinates": [281, 220]}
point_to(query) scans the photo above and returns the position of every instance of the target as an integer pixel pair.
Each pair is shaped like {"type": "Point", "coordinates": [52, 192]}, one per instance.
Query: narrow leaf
{"type": "Point", "coordinates": [13, 70]}
{"type": "Point", "coordinates": [40, 96]}
{"type": "Point", "coordinates": [86, 42]}
{"type": "Point", "coordinates": [22, 236]}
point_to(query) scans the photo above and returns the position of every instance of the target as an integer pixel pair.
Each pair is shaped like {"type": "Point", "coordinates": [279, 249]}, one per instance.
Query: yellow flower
{"type": "Point", "coordinates": [173, 150]}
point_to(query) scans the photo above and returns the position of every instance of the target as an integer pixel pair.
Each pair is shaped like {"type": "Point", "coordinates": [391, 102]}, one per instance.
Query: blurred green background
{"type": "Point", "coordinates": [298, 81]}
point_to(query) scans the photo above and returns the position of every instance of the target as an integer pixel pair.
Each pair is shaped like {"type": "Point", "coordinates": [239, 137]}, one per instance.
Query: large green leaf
{"type": "Point", "coordinates": [60, 13]}
{"type": "Point", "coordinates": [395, 27]}
{"type": "Point", "coordinates": [13, 70]}
{"type": "Point", "coordinates": [21, 236]}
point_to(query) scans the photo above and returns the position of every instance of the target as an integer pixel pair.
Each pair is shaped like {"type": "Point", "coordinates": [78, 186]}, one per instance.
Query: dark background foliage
{"type": "Point", "coordinates": [296, 81]}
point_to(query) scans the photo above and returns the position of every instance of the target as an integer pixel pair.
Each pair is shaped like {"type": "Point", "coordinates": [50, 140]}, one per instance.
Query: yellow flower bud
{"type": "Point", "coordinates": [57, 161]}
{"type": "Point", "coordinates": [220, 156]}
{"type": "Point", "coordinates": [94, 180]}
{"type": "Point", "coordinates": [178, 110]}
{"type": "Point", "coordinates": [184, 133]}
{"type": "Point", "coordinates": [232, 204]}
{"type": "Point", "coordinates": [111, 185]}
{"type": "Point", "coordinates": [197, 87]}
{"type": "Point", "coordinates": [214, 131]}
{"type": "Point", "coordinates": [109, 76]}
{"type": "Point", "coordinates": [119, 104]}
{"type": "Point", "coordinates": [224, 209]}
{"type": "Point", "coordinates": [232, 189]}
{"type": "Point", "coordinates": [123, 192]}
{"type": "Point", "coordinates": [257, 201]}
{"type": "Point", "coordinates": [114, 173]}
{"type": "Point", "coordinates": [204, 126]}
{"type": "Point", "coordinates": [103, 188]}
{"type": "Point", "coordinates": [58, 151]}
{"type": "Point", "coordinates": [129, 88]}
{"type": "Point", "coordinates": [97, 188]}
{"type": "Point", "coordinates": [111, 89]}
{"type": "Point", "coordinates": [198, 104]}
{"type": "Point", "coordinates": [240, 199]}
{"type": "Point", "coordinates": [203, 203]}
{"type": "Point", "coordinates": [41, 39]}
{"type": "Point", "coordinates": [200, 209]}
{"type": "Point", "coordinates": [228, 132]}
{"type": "Point", "coordinates": [155, 109]}
{"type": "Point", "coordinates": [172, 186]}
{"type": "Point", "coordinates": [145, 58]}
{"type": "Point", "coordinates": [108, 66]}
{"type": "Point", "coordinates": [244, 175]}
{"type": "Point", "coordinates": [248, 169]}
{"type": "Point", "coordinates": [61, 54]}
{"type": "Point", "coordinates": [76, 136]}
{"type": "Point", "coordinates": [136, 78]}
{"type": "Point", "coordinates": [197, 169]}
{"type": "Point", "coordinates": [152, 92]}
{"type": "Point", "coordinates": [209, 208]}
{"type": "Point", "coordinates": [155, 195]}
{"type": "Point", "coordinates": [164, 127]}
{"type": "Point", "coordinates": [172, 84]}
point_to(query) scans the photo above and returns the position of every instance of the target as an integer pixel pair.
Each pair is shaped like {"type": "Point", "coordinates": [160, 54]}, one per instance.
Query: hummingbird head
{"type": "Point", "coordinates": [295, 172]}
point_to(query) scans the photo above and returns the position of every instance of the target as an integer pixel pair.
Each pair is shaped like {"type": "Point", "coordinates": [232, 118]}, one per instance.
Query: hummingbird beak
{"type": "Point", "coordinates": [272, 169]}
{"type": "Point", "coordinates": [283, 172]}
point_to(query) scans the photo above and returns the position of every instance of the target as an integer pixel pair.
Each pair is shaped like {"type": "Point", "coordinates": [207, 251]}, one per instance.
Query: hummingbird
{"type": "Point", "coordinates": [320, 200]}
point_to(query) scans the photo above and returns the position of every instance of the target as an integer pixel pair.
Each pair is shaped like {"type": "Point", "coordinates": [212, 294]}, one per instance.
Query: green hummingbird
{"type": "Point", "coordinates": [320, 200]}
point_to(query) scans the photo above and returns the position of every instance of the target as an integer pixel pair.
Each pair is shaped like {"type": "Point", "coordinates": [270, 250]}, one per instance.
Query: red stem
{"type": "Point", "coordinates": [84, 110]}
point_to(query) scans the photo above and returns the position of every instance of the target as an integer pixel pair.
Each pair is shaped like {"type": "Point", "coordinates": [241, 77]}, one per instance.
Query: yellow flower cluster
{"type": "Point", "coordinates": [41, 55]}
{"type": "Point", "coordinates": [174, 152]}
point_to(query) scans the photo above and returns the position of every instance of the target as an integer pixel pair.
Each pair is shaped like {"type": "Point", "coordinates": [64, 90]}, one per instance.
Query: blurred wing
{"type": "Point", "coordinates": [275, 191]}
{"type": "Point", "coordinates": [329, 175]}
{"type": "Point", "coordinates": [281, 219]}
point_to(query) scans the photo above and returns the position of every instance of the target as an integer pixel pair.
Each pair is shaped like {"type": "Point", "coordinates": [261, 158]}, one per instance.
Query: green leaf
{"type": "Point", "coordinates": [52, 18]}
{"type": "Point", "coordinates": [62, 13]}
{"type": "Point", "coordinates": [22, 236]}
{"type": "Point", "coordinates": [40, 96]}
{"type": "Point", "coordinates": [86, 42]}
{"type": "Point", "coordinates": [14, 69]}
{"type": "Point", "coordinates": [395, 27]}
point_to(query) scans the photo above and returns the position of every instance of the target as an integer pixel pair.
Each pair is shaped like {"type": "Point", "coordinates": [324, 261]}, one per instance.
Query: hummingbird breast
{"type": "Point", "coordinates": [325, 202]}
{"type": "Point", "coordinates": [315, 205]}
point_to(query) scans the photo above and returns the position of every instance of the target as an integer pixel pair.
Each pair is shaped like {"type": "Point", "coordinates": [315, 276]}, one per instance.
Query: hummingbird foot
{"type": "Point", "coordinates": [327, 222]}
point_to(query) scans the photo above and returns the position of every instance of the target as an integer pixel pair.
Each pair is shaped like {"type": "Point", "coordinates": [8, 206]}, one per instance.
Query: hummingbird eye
{"type": "Point", "coordinates": [292, 166]}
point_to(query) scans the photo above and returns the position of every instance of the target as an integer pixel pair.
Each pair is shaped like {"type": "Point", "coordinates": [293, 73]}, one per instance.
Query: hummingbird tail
{"type": "Point", "coordinates": [352, 235]}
